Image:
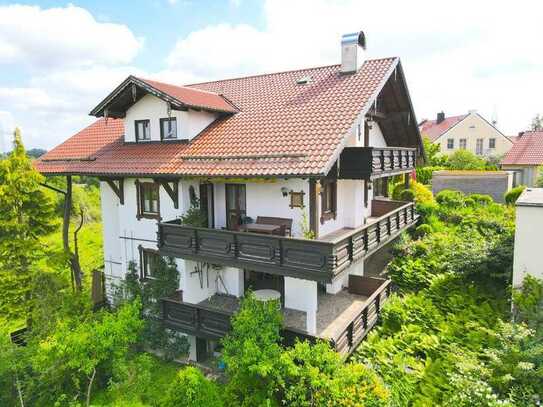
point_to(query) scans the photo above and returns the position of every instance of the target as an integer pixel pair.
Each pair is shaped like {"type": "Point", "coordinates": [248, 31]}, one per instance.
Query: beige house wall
{"type": "Point", "coordinates": [472, 128]}
{"type": "Point", "coordinates": [525, 174]}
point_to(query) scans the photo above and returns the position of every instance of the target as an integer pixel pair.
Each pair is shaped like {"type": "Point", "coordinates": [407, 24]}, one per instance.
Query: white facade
{"type": "Point", "coordinates": [529, 224]}
{"type": "Point", "coordinates": [189, 123]}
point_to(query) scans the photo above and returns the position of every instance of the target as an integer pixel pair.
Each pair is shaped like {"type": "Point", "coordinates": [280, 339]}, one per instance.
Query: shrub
{"type": "Point", "coordinates": [397, 190]}
{"type": "Point", "coordinates": [512, 195]}
{"type": "Point", "coordinates": [422, 230]}
{"type": "Point", "coordinates": [450, 198]}
{"type": "Point", "coordinates": [192, 389]}
{"type": "Point", "coordinates": [407, 195]}
{"type": "Point", "coordinates": [465, 160]}
{"type": "Point", "coordinates": [424, 174]}
{"type": "Point", "coordinates": [482, 199]}
{"type": "Point", "coordinates": [422, 193]}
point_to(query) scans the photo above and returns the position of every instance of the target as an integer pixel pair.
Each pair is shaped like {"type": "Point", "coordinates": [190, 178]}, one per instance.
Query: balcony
{"type": "Point", "coordinates": [375, 162]}
{"type": "Point", "coordinates": [343, 319]}
{"type": "Point", "coordinates": [317, 260]}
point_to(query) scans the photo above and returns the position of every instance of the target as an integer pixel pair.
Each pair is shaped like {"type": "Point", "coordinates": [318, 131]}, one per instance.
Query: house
{"type": "Point", "coordinates": [465, 132]}
{"type": "Point", "coordinates": [525, 158]}
{"type": "Point", "coordinates": [268, 158]}
{"type": "Point", "coordinates": [528, 225]}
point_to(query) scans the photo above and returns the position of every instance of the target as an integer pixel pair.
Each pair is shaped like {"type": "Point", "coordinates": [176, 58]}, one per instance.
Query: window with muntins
{"type": "Point", "coordinates": [492, 143]}
{"type": "Point", "coordinates": [479, 146]}
{"type": "Point", "coordinates": [450, 143]}
{"type": "Point", "coordinates": [328, 200]}
{"type": "Point", "coordinates": [148, 199]}
{"type": "Point", "coordinates": [149, 263]}
{"type": "Point", "coordinates": [168, 128]}
{"type": "Point", "coordinates": [143, 130]}
{"type": "Point", "coordinates": [463, 144]}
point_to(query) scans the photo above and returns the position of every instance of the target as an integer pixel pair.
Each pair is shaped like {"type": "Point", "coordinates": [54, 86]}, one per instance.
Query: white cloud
{"type": "Point", "coordinates": [473, 55]}
{"type": "Point", "coordinates": [59, 37]}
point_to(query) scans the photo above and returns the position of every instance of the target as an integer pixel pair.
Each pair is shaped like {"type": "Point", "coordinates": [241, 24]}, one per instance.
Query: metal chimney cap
{"type": "Point", "coordinates": [354, 38]}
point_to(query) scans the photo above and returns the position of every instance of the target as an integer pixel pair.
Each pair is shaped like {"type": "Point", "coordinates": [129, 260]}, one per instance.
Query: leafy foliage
{"type": "Point", "coordinates": [444, 341]}
{"type": "Point", "coordinates": [512, 195]}
{"type": "Point", "coordinates": [465, 160]}
{"type": "Point", "coordinates": [424, 174]}
{"type": "Point", "coordinates": [164, 282]}
{"type": "Point", "coordinates": [26, 214]}
{"type": "Point", "coordinates": [420, 193]}
{"type": "Point", "coordinates": [192, 389]}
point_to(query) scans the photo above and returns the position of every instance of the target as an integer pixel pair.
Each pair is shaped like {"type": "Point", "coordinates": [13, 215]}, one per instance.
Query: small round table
{"type": "Point", "coordinates": [267, 295]}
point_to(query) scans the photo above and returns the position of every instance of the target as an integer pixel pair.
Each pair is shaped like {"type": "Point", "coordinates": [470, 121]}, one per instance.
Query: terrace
{"type": "Point", "coordinates": [343, 319]}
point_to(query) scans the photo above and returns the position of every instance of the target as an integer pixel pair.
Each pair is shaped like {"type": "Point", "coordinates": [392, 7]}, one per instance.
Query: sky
{"type": "Point", "coordinates": [58, 60]}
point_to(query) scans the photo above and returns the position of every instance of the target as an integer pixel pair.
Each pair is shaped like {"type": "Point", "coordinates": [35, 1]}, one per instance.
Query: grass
{"type": "Point", "coordinates": [162, 375]}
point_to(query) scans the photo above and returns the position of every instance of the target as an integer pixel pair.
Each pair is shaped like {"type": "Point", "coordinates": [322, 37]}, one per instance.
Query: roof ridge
{"type": "Point", "coordinates": [280, 72]}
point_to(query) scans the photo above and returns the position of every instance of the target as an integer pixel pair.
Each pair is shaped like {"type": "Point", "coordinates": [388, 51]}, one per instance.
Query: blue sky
{"type": "Point", "coordinates": [58, 60]}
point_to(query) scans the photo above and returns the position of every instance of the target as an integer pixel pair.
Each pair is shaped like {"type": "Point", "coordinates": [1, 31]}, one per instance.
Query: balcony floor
{"type": "Point", "coordinates": [334, 311]}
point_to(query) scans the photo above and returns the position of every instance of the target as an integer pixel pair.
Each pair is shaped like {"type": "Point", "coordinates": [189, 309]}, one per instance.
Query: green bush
{"type": "Point", "coordinates": [482, 199]}
{"type": "Point", "coordinates": [424, 174]}
{"type": "Point", "coordinates": [465, 160]}
{"type": "Point", "coordinates": [407, 195]}
{"type": "Point", "coordinates": [450, 198]}
{"type": "Point", "coordinates": [512, 195]}
{"type": "Point", "coordinates": [420, 192]}
{"type": "Point", "coordinates": [397, 190]}
{"type": "Point", "coordinates": [192, 389]}
{"type": "Point", "coordinates": [422, 230]}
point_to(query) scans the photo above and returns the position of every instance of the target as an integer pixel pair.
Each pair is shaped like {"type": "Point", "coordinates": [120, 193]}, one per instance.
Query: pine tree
{"type": "Point", "coordinates": [26, 214]}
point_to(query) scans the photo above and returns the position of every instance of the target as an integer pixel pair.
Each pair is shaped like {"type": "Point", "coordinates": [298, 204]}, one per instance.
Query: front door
{"type": "Point", "coordinates": [235, 205]}
{"type": "Point", "coordinates": [207, 204]}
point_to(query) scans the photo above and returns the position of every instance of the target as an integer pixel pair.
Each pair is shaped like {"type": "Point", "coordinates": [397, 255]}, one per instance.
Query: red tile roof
{"type": "Point", "coordinates": [193, 97]}
{"type": "Point", "coordinates": [527, 150]}
{"type": "Point", "coordinates": [433, 130]}
{"type": "Point", "coordinates": [282, 128]}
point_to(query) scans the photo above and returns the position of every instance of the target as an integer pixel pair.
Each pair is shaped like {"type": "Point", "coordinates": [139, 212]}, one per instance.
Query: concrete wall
{"type": "Point", "coordinates": [149, 107]}
{"type": "Point", "coordinates": [493, 183]}
{"type": "Point", "coordinates": [529, 224]}
{"type": "Point", "coordinates": [472, 128]}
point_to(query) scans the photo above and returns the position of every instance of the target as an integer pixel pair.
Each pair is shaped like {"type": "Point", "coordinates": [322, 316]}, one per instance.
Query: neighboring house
{"type": "Point", "coordinates": [465, 132]}
{"type": "Point", "coordinates": [527, 258]}
{"type": "Point", "coordinates": [262, 154]}
{"type": "Point", "coordinates": [525, 158]}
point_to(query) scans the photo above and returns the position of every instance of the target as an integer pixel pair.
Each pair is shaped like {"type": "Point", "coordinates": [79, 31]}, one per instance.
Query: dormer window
{"type": "Point", "coordinates": [168, 128]}
{"type": "Point", "coordinates": [143, 130]}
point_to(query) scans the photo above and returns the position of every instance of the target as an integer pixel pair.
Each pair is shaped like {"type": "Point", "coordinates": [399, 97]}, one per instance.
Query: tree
{"type": "Point", "coordinates": [433, 155]}
{"type": "Point", "coordinates": [26, 214]}
{"type": "Point", "coordinates": [252, 352]}
{"type": "Point", "coordinates": [537, 123]}
{"type": "Point", "coordinates": [73, 356]}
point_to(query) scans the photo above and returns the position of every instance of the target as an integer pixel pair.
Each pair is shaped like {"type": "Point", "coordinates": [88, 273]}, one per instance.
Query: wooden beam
{"type": "Point", "coordinates": [172, 191]}
{"type": "Point", "coordinates": [118, 189]}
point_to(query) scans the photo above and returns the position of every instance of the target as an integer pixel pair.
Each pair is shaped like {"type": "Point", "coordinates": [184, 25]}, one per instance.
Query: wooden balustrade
{"type": "Point", "coordinates": [372, 162]}
{"type": "Point", "coordinates": [301, 258]}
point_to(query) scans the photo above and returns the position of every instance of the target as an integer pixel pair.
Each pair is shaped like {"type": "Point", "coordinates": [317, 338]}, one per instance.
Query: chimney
{"type": "Point", "coordinates": [350, 55]}
{"type": "Point", "coordinates": [440, 117]}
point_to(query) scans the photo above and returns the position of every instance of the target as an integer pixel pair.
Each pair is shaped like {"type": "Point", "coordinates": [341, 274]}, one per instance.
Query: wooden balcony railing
{"type": "Point", "coordinates": [356, 330]}
{"type": "Point", "coordinates": [375, 162]}
{"type": "Point", "coordinates": [214, 323]}
{"type": "Point", "coordinates": [301, 258]}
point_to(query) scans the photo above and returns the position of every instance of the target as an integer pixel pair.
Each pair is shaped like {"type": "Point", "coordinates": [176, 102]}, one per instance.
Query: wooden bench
{"type": "Point", "coordinates": [285, 223]}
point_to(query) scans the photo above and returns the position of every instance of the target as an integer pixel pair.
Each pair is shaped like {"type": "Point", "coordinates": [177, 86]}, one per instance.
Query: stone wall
{"type": "Point", "coordinates": [493, 183]}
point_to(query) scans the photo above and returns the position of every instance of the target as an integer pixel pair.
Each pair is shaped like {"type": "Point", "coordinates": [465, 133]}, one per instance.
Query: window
{"type": "Point", "coordinates": [149, 263]}
{"type": "Point", "coordinates": [492, 143]}
{"type": "Point", "coordinates": [479, 146]}
{"type": "Point", "coordinates": [328, 200]}
{"type": "Point", "coordinates": [148, 202]}
{"type": "Point", "coordinates": [236, 205]}
{"type": "Point", "coordinates": [297, 199]}
{"type": "Point", "coordinates": [450, 143]}
{"type": "Point", "coordinates": [143, 130]}
{"type": "Point", "coordinates": [168, 128]}
{"type": "Point", "coordinates": [463, 144]}
{"type": "Point", "coordinates": [380, 187]}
